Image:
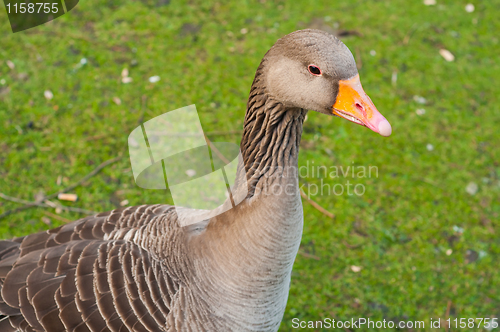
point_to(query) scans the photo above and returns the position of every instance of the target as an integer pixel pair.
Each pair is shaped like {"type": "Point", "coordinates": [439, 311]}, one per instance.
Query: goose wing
{"type": "Point", "coordinates": [100, 273]}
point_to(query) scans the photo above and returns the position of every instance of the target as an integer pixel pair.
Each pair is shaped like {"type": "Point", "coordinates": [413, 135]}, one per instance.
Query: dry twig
{"type": "Point", "coordinates": [28, 204]}
{"type": "Point", "coordinates": [316, 205]}
{"type": "Point", "coordinates": [305, 254]}
{"type": "Point", "coordinates": [55, 216]}
{"type": "Point", "coordinates": [448, 307]}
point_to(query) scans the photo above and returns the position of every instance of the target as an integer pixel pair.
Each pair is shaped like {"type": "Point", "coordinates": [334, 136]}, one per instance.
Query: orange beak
{"type": "Point", "coordinates": [354, 105]}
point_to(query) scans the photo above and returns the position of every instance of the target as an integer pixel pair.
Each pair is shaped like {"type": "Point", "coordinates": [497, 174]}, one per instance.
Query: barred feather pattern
{"type": "Point", "coordinates": [87, 276]}
{"type": "Point", "coordinates": [135, 269]}
{"type": "Point", "coordinates": [271, 133]}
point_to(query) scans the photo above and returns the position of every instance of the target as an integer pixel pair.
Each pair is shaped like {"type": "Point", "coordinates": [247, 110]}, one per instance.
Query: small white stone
{"type": "Point", "coordinates": [394, 77]}
{"type": "Point", "coordinates": [469, 8]}
{"type": "Point", "coordinates": [124, 72]}
{"type": "Point", "coordinates": [355, 268]}
{"type": "Point", "coordinates": [430, 147]}
{"type": "Point", "coordinates": [190, 172]}
{"type": "Point", "coordinates": [420, 111]}
{"type": "Point", "coordinates": [373, 53]}
{"type": "Point", "coordinates": [126, 80]}
{"type": "Point", "coordinates": [447, 55]}
{"type": "Point", "coordinates": [83, 61]}
{"type": "Point", "coordinates": [419, 99]}
{"type": "Point", "coordinates": [449, 252]}
{"type": "Point", "coordinates": [10, 64]}
{"type": "Point", "coordinates": [154, 79]}
{"type": "Point", "coordinates": [124, 202]}
{"type": "Point", "coordinates": [244, 31]}
{"type": "Point", "coordinates": [117, 100]}
{"type": "Point", "coordinates": [429, 2]}
{"type": "Point", "coordinates": [48, 94]}
{"type": "Point", "coordinates": [472, 188]}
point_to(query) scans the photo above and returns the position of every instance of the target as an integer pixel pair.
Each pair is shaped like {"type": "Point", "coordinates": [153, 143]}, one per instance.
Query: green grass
{"type": "Point", "coordinates": [401, 228]}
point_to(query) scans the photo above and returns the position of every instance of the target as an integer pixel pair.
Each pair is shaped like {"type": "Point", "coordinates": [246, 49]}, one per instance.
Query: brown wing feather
{"type": "Point", "coordinates": [85, 276]}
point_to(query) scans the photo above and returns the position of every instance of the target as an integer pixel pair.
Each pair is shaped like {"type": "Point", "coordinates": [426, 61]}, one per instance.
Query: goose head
{"type": "Point", "coordinates": [311, 69]}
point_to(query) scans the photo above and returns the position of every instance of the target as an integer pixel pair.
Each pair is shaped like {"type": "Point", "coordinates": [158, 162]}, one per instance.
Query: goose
{"type": "Point", "coordinates": [136, 269]}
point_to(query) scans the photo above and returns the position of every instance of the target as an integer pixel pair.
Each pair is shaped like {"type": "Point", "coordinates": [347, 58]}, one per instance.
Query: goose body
{"type": "Point", "coordinates": [136, 269]}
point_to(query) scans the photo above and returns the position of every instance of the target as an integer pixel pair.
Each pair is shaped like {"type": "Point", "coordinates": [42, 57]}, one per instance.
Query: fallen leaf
{"type": "Point", "coordinates": [126, 80]}
{"type": "Point", "coordinates": [48, 94]}
{"type": "Point", "coordinates": [429, 2]}
{"type": "Point", "coordinates": [154, 79]}
{"type": "Point", "coordinates": [446, 55]}
{"type": "Point", "coordinates": [355, 268]}
{"type": "Point", "coordinates": [117, 100]}
{"type": "Point", "coordinates": [472, 188]}
{"type": "Point", "coordinates": [419, 99]}
{"type": "Point", "coordinates": [10, 64]}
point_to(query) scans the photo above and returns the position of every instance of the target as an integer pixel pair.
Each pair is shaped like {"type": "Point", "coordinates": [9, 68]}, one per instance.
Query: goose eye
{"type": "Point", "coordinates": [314, 70]}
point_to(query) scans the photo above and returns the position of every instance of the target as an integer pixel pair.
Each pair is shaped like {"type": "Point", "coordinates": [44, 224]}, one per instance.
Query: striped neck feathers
{"type": "Point", "coordinates": [271, 134]}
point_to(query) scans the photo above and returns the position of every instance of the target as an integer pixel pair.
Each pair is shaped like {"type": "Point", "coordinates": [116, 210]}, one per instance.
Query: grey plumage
{"type": "Point", "coordinates": [135, 269]}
